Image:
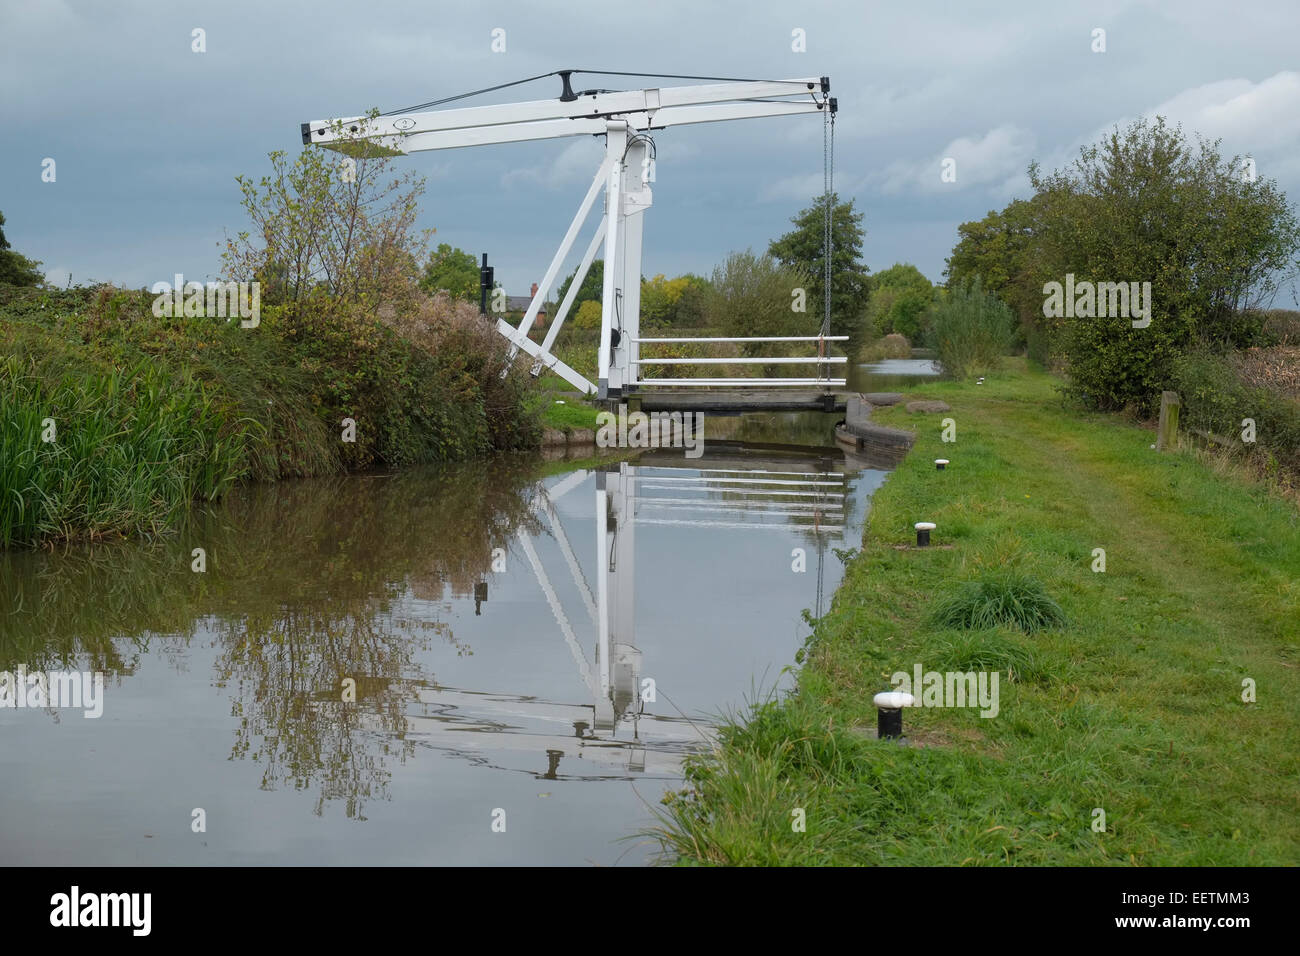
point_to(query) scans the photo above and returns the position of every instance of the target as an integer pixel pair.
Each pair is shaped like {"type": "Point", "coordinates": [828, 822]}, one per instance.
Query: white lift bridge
{"type": "Point", "coordinates": [626, 118]}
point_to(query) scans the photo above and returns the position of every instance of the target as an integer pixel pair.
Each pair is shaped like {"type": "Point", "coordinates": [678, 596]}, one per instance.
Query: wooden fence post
{"type": "Point", "coordinates": [1167, 433]}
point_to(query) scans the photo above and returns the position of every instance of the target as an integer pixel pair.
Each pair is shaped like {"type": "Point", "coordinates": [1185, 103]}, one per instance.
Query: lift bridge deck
{"type": "Point", "coordinates": [736, 401]}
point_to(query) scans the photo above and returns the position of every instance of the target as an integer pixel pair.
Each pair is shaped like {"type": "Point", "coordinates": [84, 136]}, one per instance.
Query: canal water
{"type": "Point", "coordinates": [496, 663]}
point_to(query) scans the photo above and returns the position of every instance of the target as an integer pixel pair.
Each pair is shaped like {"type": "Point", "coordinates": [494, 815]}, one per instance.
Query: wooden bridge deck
{"type": "Point", "coordinates": [740, 400]}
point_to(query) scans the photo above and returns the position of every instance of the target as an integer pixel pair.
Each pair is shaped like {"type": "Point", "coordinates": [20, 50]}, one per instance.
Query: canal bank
{"type": "Point", "coordinates": [117, 420]}
{"type": "Point", "coordinates": [1134, 734]}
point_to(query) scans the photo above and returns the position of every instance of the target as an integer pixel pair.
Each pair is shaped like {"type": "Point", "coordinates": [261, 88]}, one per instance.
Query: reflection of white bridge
{"type": "Point", "coordinates": [809, 496]}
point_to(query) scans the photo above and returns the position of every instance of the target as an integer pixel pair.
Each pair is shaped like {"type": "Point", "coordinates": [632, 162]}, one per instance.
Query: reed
{"type": "Point", "coordinates": [107, 451]}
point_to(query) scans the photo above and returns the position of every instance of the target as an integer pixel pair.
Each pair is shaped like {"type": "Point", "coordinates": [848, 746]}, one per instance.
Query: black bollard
{"type": "Point", "coordinates": [923, 529]}
{"type": "Point", "coordinates": [889, 713]}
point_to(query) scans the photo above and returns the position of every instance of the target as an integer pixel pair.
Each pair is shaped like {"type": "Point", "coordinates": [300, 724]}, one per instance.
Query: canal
{"type": "Point", "coordinates": [502, 662]}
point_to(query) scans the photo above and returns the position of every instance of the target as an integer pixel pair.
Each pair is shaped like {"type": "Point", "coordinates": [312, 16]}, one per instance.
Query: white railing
{"type": "Point", "coordinates": [821, 359]}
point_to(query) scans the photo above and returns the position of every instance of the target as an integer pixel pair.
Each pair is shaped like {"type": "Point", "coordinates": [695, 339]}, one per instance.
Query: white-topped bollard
{"type": "Point", "coordinates": [889, 712]}
{"type": "Point", "coordinates": [940, 464]}
{"type": "Point", "coordinates": [923, 529]}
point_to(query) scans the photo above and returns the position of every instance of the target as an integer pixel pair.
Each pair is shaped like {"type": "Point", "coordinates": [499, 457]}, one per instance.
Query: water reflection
{"type": "Point", "coordinates": [615, 732]}
{"type": "Point", "coordinates": [890, 375]}
{"type": "Point", "coordinates": [522, 626]}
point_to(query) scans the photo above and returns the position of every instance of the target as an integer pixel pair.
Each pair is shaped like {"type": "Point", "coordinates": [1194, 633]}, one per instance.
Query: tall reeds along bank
{"type": "Point", "coordinates": [971, 329]}
{"type": "Point", "coordinates": [99, 450]}
{"type": "Point", "coordinates": [113, 420]}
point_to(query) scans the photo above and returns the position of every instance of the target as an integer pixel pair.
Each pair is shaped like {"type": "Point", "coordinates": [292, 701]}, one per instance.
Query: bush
{"type": "Point", "coordinates": [971, 329]}
{"type": "Point", "coordinates": [899, 297]}
{"type": "Point", "coordinates": [999, 599]}
{"type": "Point", "coordinates": [1217, 400]}
{"type": "Point", "coordinates": [753, 296]}
{"type": "Point", "coordinates": [1147, 205]}
{"type": "Point", "coordinates": [589, 314]}
{"type": "Point", "coordinates": [892, 346]}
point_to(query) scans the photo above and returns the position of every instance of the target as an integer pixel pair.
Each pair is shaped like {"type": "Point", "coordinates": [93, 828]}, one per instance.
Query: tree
{"type": "Point", "coordinates": [588, 315]}
{"type": "Point", "coordinates": [592, 288]}
{"type": "Point", "coordinates": [15, 268]}
{"type": "Point", "coordinates": [331, 224]}
{"type": "Point", "coordinates": [677, 302]}
{"type": "Point", "coordinates": [1001, 249]}
{"type": "Point", "coordinates": [453, 271]}
{"type": "Point", "coordinates": [899, 297]}
{"type": "Point", "coordinates": [750, 296]}
{"type": "Point", "coordinates": [1144, 205]}
{"type": "Point", "coordinates": [804, 246]}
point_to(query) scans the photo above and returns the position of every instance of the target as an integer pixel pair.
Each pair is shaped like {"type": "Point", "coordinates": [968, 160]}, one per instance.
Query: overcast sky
{"type": "Point", "coordinates": [148, 136]}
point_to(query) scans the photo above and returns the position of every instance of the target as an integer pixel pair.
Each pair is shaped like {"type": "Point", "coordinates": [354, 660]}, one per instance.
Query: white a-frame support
{"type": "Point", "coordinates": [625, 175]}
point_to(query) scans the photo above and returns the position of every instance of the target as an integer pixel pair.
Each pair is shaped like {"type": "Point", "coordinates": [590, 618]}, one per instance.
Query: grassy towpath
{"type": "Point", "coordinates": [1134, 707]}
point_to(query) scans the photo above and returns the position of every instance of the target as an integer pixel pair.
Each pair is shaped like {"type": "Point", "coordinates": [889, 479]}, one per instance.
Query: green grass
{"type": "Point", "coordinates": [573, 414]}
{"type": "Point", "coordinates": [1134, 706]}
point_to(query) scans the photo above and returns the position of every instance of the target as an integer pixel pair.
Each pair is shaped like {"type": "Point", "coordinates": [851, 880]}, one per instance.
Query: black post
{"type": "Point", "coordinates": [484, 283]}
{"type": "Point", "coordinates": [889, 723]}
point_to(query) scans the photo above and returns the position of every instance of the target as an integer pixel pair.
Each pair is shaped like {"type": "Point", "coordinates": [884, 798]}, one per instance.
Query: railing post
{"type": "Point", "coordinates": [1167, 432]}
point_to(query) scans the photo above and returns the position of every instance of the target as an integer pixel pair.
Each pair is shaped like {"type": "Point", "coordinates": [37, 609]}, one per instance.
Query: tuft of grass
{"type": "Point", "coordinates": [1000, 598]}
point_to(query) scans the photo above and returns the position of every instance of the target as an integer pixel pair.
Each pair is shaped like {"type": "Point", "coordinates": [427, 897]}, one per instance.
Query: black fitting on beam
{"type": "Point", "coordinates": [834, 105]}
{"type": "Point", "coordinates": [826, 84]}
{"type": "Point", "coordinates": [567, 95]}
{"type": "Point", "coordinates": [306, 134]}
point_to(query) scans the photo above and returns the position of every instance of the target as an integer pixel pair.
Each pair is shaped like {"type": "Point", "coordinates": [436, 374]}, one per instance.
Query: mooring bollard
{"type": "Point", "coordinates": [889, 713]}
{"type": "Point", "coordinates": [940, 464]}
{"type": "Point", "coordinates": [923, 529]}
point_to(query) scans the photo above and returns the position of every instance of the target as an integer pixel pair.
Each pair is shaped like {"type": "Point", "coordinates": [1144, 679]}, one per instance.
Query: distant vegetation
{"type": "Point", "coordinates": [15, 268]}
{"type": "Point", "coordinates": [452, 271]}
{"type": "Point", "coordinates": [900, 298]}
{"type": "Point", "coordinates": [804, 248]}
{"type": "Point", "coordinates": [1215, 242]}
{"type": "Point", "coordinates": [892, 346]}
